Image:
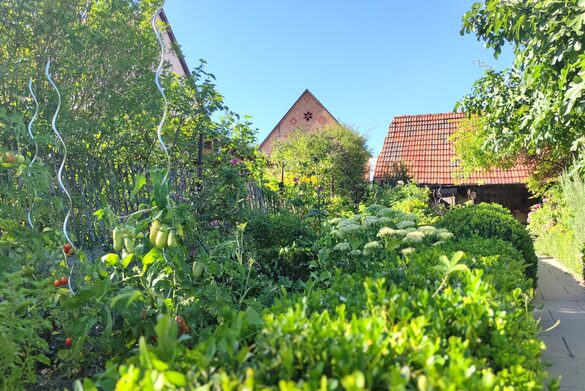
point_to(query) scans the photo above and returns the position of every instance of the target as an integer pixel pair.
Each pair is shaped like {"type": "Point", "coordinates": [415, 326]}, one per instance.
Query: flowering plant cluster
{"type": "Point", "coordinates": [377, 231]}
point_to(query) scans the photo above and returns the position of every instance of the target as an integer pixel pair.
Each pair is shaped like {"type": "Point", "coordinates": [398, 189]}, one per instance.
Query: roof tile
{"type": "Point", "coordinates": [422, 143]}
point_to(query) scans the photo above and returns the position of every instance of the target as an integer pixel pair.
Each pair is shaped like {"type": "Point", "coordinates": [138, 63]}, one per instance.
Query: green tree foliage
{"type": "Point", "coordinates": [103, 55]}
{"type": "Point", "coordinates": [469, 141]}
{"type": "Point", "coordinates": [558, 224]}
{"type": "Point", "coordinates": [536, 108]}
{"type": "Point", "coordinates": [337, 156]}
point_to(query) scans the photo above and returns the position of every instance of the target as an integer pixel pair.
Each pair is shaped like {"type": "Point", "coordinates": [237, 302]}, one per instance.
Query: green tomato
{"type": "Point", "coordinates": [162, 237]}
{"type": "Point", "coordinates": [28, 270]}
{"type": "Point", "coordinates": [154, 228]}
{"type": "Point", "coordinates": [172, 239]}
{"type": "Point", "coordinates": [130, 231]}
{"type": "Point", "coordinates": [129, 244]}
{"type": "Point", "coordinates": [197, 269]}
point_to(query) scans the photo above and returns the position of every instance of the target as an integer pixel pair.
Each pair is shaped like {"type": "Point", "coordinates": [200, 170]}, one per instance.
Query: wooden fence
{"type": "Point", "coordinates": [94, 186]}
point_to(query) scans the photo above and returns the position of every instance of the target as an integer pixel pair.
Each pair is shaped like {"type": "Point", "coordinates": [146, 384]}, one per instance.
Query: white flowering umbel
{"type": "Point", "coordinates": [370, 221]}
{"type": "Point", "coordinates": [443, 234]}
{"type": "Point", "coordinates": [405, 224]}
{"type": "Point", "coordinates": [342, 247]}
{"type": "Point", "coordinates": [408, 250]}
{"type": "Point", "coordinates": [427, 229]}
{"type": "Point", "coordinates": [387, 232]}
{"type": "Point", "coordinates": [390, 213]}
{"type": "Point", "coordinates": [385, 220]}
{"type": "Point", "coordinates": [347, 230]}
{"type": "Point", "coordinates": [414, 237]}
{"type": "Point", "coordinates": [371, 247]}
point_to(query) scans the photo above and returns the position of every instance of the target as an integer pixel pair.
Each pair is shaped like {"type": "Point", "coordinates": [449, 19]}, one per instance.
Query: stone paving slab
{"type": "Point", "coordinates": [560, 305]}
{"type": "Point", "coordinates": [570, 370]}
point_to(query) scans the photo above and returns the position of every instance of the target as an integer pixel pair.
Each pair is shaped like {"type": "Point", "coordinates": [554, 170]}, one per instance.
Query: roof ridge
{"type": "Point", "coordinates": [445, 114]}
{"type": "Point", "coordinates": [306, 91]}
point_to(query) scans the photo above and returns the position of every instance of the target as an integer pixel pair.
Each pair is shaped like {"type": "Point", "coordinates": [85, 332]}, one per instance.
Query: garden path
{"type": "Point", "coordinates": [560, 300]}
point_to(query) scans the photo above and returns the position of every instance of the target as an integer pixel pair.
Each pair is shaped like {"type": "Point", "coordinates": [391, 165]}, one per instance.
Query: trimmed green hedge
{"type": "Point", "coordinates": [281, 243]}
{"type": "Point", "coordinates": [560, 243]}
{"type": "Point", "coordinates": [492, 221]}
{"type": "Point", "coordinates": [429, 318]}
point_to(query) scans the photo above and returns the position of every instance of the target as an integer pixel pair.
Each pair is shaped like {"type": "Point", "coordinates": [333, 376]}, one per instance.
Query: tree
{"type": "Point", "coordinates": [103, 55]}
{"type": "Point", "coordinates": [536, 108]}
{"type": "Point", "coordinates": [337, 156]}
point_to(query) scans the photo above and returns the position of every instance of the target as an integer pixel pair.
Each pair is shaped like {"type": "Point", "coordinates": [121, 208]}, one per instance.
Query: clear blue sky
{"type": "Point", "coordinates": [366, 61]}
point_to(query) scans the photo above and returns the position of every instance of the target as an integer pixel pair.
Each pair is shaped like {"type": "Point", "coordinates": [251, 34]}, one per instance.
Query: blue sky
{"type": "Point", "coordinates": [366, 61]}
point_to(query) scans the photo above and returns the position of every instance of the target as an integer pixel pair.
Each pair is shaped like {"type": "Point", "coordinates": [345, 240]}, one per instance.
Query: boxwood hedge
{"type": "Point", "coordinates": [492, 221]}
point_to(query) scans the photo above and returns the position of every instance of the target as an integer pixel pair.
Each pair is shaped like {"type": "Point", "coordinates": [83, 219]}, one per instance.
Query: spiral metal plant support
{"type": "Point", "coordinates": [165, 102]}
{"type": "Point", "coordinates": [162, 92]}
{"type": "Point", "coordinates": [31, 135]}
{"type": "Point", "coordinates": [60, 172]}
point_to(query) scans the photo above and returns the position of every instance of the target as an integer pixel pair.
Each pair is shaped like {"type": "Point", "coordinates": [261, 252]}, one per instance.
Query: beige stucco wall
{"type": "Point", "coordinates": [170, 55]}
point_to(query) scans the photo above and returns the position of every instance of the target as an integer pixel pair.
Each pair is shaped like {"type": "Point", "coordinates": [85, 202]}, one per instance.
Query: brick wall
{"type": "Point", "coordinates": [307, 113]}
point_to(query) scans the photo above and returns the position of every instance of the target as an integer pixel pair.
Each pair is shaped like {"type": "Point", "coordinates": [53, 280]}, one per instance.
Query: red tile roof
{"type": "Point", "coordinates": [422, 143]}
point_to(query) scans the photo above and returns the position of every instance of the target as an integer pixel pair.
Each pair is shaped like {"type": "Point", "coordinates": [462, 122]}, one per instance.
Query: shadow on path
{"type": "Point", "coordinates": [560, 298]}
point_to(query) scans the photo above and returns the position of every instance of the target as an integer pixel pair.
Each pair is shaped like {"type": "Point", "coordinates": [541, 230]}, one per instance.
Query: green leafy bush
{"type": "Point", "coordinates": [22, 327]}
{"type": "Point", "coordinates": [438, 325]}
{"type": "Point", "coordinates": [492, 221]}
{"type": "Point", "coordinates": [503, 263]}
{"type": "Point", "coordinates": [281, 243]}
{"type": "Point", "coordinates": [559, 242]}
{"type": "Point", "coordinates": [558, 224]}
{"type": "Point", "coordinates": [573, 190]}
{"type": "Point", "coordinates": [407, 198]}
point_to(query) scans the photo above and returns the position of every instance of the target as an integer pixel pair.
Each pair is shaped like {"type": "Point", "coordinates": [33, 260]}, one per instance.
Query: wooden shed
{"type": "Point", "coordinates": [422, 144]}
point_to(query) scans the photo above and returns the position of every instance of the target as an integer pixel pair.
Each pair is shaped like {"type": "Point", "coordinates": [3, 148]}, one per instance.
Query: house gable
{"type": "Point", "coordinates": [307, 113]}
{"type": "Point", "coordinates": [172, 52]}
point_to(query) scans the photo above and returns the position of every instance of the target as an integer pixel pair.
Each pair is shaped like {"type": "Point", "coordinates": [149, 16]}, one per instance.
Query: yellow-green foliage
{"type": "Point", "coordinates": [559, 242]}
{"type": "Point", "coordinates": [469, 143]}
{"type": "Point", "coordinates": [335, 156]}
{"type": "Point", "coordinates": [558, 224]}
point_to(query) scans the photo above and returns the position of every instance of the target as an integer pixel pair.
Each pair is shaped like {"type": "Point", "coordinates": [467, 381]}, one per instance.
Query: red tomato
{"type": "Point", "coordinates": [67, 247]}
{"type": "Point", "coordinates": [68, 342]}
{"type": "Point", "coordinates": [57, 283]}
{"type": "Point", "coordinates": [64, 280]}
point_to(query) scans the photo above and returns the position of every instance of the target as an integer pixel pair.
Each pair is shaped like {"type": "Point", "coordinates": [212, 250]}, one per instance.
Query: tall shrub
{"type": "Point", "coordinates": [558, 224]}
{"type": "Point", "coordinates": [336, 156]}
{"type": "Point", "coordinates": [573, 190]}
